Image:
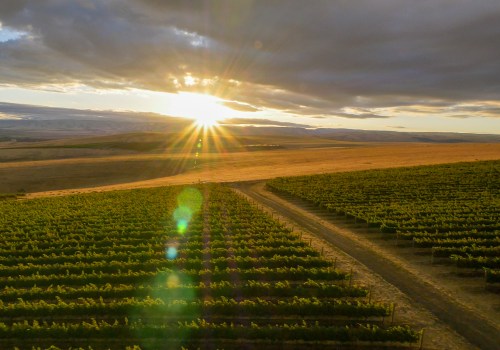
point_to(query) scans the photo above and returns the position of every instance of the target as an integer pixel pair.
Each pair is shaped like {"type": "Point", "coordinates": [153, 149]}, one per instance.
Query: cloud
{"type": "Point", "coordinates": [490, 109]}
{"type": "Point", "coordinates": [304, 58]}
{"type": "Point", "coordinates": [360, 115]}
{"type": "Point", "coordinates": [243, 107]}
{"type": "Point", "coordinates": [260, 122]}
{"type": "Point", "coordinates": [397, 127]}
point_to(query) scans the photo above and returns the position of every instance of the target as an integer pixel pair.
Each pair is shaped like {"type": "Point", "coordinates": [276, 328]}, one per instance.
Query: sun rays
{"type": "Point", "coordinates": [203, 141]}
{"type": "Point", "coordinates": [206, 110]}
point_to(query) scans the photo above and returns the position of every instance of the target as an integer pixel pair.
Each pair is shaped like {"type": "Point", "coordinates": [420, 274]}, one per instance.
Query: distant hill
{"type": "Point", "coordinates": [353, 135]}
{"type": "Point", "coordinates": [395, 136]}
{"type": "Point", "coordinates": [26, 123]}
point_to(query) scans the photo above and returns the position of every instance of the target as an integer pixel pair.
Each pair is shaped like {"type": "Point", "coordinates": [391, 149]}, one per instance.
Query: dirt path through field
{"type": "Point", "coordinates": [420, 301]}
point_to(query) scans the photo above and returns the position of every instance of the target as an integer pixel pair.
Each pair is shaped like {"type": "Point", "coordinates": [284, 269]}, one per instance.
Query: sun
{"type": "Point", "coordinates": [206, 110]}
{"type": "Point", "coordinates": [207, 121]}
{"type": "Point", "coordinates": [208, 132]}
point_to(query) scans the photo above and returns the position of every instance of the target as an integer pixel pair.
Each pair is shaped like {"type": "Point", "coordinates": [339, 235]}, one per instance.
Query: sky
{"type": "Point", "coordinates": [403, 65]}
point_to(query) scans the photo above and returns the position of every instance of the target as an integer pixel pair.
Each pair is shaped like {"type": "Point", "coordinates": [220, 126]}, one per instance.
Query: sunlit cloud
{"type": "Point", "coordinates": [392, 60]}
{"type": "Point", "coordinates": [479, 109]}
{"type": "Point", "coordinates": [238, 106]}
{"type": "Point", "coordinates": [7, 116]}
{"type": "Point", "coordinates": [189, 80]}
{"type": "Point", "coordinates": [261, 122]}
{"type": "Point", "coordinates": [358, 113]}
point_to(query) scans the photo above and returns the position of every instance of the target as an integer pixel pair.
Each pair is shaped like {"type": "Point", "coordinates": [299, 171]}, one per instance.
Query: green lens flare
{"type": "Point", "coordinates": [191, 198]}
{"type": "Point", "coordinates": [189, 203]}
{"type": "Point", "coordinates": [183, 214]}
{"type": "Point", "coordinates": [182, 226]}
{"type": "Point", "coordinates": [171, 299]}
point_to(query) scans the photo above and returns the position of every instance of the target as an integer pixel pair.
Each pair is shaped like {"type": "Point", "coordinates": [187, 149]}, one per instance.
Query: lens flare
{"type": "Point", "coordinates": [173, 281]}
{"type": "Point", "coordinates": [175, 289]}
{"type": "Point", "coordinates": [191, 198]}
{"type": "Point", "coordinates": [189, 203]}
{"type": "Point", "coordinates": [182, 226]}
{"type": "Point", "coordinates": [183, 213]}
{"type": "Point", "coordinates": [171, 253]}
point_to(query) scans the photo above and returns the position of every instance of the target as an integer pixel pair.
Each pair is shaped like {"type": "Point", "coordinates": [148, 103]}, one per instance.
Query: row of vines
{"type": "Point", "coordinates": [452, 210]}
{"type": "Point", "coordinates": [169, 268]}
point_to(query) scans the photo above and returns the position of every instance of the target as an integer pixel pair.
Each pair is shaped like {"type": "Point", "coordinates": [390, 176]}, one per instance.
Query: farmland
{"type": "Point", "coordinates": [45, 177]}
{"type": "Point", "coordinates": [171, 267]}
{"type": "Point", "coordinates": [450, 211]}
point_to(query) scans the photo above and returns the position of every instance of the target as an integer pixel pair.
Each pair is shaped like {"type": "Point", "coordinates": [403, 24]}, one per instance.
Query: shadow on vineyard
{"type": "Point", "coordinates": [89, 174]}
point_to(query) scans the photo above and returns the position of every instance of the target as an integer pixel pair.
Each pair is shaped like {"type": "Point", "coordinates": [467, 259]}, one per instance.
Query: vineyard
{"type": "Point", "coordinates": [452, 212]}
{"type": "Point", "coordinates": [173, 267]}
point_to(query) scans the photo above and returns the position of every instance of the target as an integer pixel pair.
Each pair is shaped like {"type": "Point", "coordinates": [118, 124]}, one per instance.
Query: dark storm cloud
{"type": "Point", "coordinates": [310, 58]}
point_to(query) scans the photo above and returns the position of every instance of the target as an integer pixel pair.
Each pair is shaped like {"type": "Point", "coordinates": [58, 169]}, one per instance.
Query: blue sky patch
{"type": "Point", "coordinates": [7, 34]}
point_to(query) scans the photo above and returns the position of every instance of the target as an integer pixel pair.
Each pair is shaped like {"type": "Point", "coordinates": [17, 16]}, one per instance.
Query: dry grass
{"type": "Point", "coordinates": [244, 166]}
{"type": "Point", "coordinates": [33, 154]}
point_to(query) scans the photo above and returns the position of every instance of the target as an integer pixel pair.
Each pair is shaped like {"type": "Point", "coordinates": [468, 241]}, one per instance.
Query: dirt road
{"type": "Point", "coordinates": [471, 325]}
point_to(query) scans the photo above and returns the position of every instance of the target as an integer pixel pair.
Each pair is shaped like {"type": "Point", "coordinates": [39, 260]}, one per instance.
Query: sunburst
{"type": "Point", "coordinates": [206, 110]}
